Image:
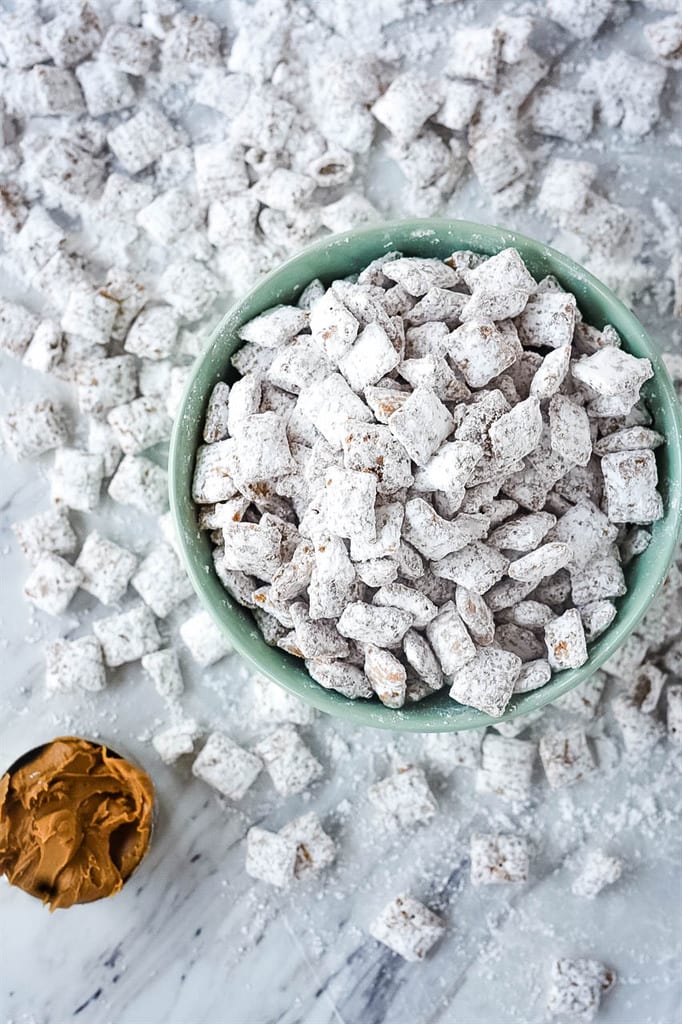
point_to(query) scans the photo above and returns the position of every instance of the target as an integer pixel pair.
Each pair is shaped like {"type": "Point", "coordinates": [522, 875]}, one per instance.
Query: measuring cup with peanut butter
{"type": "Point", "coordinates": [75, 821]}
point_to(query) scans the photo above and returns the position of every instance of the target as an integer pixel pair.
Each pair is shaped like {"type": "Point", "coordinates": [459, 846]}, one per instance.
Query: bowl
{"type": "Point", "coordinates": [338, 256]}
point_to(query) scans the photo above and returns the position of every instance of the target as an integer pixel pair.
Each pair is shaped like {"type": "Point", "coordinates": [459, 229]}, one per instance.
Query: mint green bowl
{"type": "Point", "coordinates": [338, 256]}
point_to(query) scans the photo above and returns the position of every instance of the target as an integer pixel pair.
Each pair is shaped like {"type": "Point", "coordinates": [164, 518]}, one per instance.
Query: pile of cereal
{"type": "Point", "coordinates": [431, 471]}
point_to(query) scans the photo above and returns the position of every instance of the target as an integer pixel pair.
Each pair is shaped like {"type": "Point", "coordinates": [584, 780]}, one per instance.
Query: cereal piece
{"type": "Point", "coordinates": [74, 664]}
{"type": "Point", "coordinates": [408, 928]}
{"type": "Point", "coordinates": [189, 287]}
{"type": "Point", "coordinates": [169, 216]}
{"type": "Point", "coordinates": [486, 681]}
{"type": "Point", "coordinates": [288, 761]}
{"type": "Point", "coordinates": [349, 505]}
{"type": "Point", "coordinates": [226, 766]}
{"type": "Point", "coordinates": [448, 751]}
{"type": "Point", "coordinates": [330, 405]}
{"type": "Point", "coordinates": [628, 91]}
{"type": "Point", "coordinates": [566, 756]}
{"type": "Point", "coordinates": [459, 104]}
{"type": "Point", "coordinates": [570, 430]}
{"type": "Point", "coordinates": [161, 581]}
{"type": "Point", "coordinates": [629, 439]}
{"type": "Point", "coordinates": [450, 640]}
{"type": "Point", "coordinates": [610, 371]}
{"type": "Point", "coordinates": [46, 347]}
{"type": "Point", "coordinates": [333, 327]}
{"type": "Point", "coordinates": [388, 521]}
{"type": "Point", "coordinates": [674, 718]}
{"type": "Point", "coordinates": [404, 798]}
{"type": "Point", "coordinates": [411, 98]}
{"type": "Point", "coordinates": [276, 327]}
{"type": "Point", "coordinates": [370, 358]}
{"type": "Point", "coordinates": [421, 425]}
{"type": "Point", "coordinates": [582, 19]}
{"type": "Point", "coordinates": [254, 548]}
{"type": "Point", "coordinates": [51, 584]}
{"type": "Point", "coordinates": [475, 615]}
{"type": "Point", "coordinates": [596, 617]}
{"type": "Point", "coordinates": [531, 614]}
{"type": "Point", "coordinates": [481, 351]}
{"type": "Point", "coordinates": [90, 314]}
{"type": "Point", "coordinates": [332, 578]}
{"type": "Point", "coordinates": [564, 113]}
{"type": "Point", "coordinates": [523, 533]}
{"type": "Point", "coordinates": [212, 481]}
{"type": "Point", "coordinates": [419, 275]}
{"type": "Point", "coordinates": [587, 531]}
{"type": "Point", "coordinates": [106, 568]}
{"type": "Point", "coordinates": [163, 668]}
{"type": "Point", "coordinates": [141, 139]}
{"type": "Point", "coordinates": [177, 740]}
{"type": "Point", "coordinates": [384, 627]}
{"type": "Point", "coordinates": [34, 428]}
{"type": "Point", "coordinates": [476, 53]}
{"type": "Point", "coordinates": [262, 449]}
{"type": "Point", "coordinates": [245, 401]}
{"type": "Point", "coordinates": [127, 636]}
{"type": "Point", "coordinates": [76, 479]}
{"type": "Point", "coordinates": [315, 850]}
{"type": "Point", "coordinates": [598, 871]}
{"type": "Point", "coordinates": [105, 383]}
{"type": "Point", "coordinates": [141, 483]}
{"type": "Point", "coordinates": [665, 39]}
{"type": "Point", "coordinates": [517, 432]}
{"type": "Point", "coordinates": [565, 640]}
{"type": "Point", "coordinates": [386, 675]}
{"type": "Point", "coordinates": [506, 767]}
{"type": "Point", "coordinates": [397, 595]}
{"type": "Point", "coordinates": [204, 639]}
{"type": "Point", "coordinates": [584, 699]}
{"type": "Point", "coordinates": [139, 424]}
{"type": "Point", "coordinates": [341, 676]}
{"type": "Point", "coordinates": [630, 480]}
{"type": "Point", "coordinates": [17, 327]}
{"type": "Point", "coordinates": [548, 320]}
{"type": "Point", "coordinates": [104, 88]}
{"type": "Point", "coordinates": [72, 35]}
{"type": "Point", "coordinates": [641, 731]}
{"type": "Point", "coordinates": [497, 859]}
{"type": "Point", "coordinates": [272, 703]}
{"type": "Point", "coordinates": [522, 642]}
{"type": "Point", "coordinates": [499, 162]}
{"type": "Point", "coordinates": [315, 638]}
{"type": "Point", "coordinates": [543, 561]}
{"type": "Point", "coordinates": [476, 567]}
{"type": "Point", "coordinates": [270, 857]}
{"type": "Point", "coordinates": [551, 373]}
{"type": "Point", "coordinates": [532, 675]}
{"type": "Point", "coordinates": [299, 365]}
{"type": "Point", "coordinates": [578, 985]}
{"type": "Point", "coordinates": [46, 533]}
{"type": "Point", "coordinates": [153, 334]}
{"type": "Point", "coordinates": [419, 655]}
{"type": "Point", "coordinates": [215, 423]}
{"type": "Point", "coordinates": [450, 468]}
{"type": "Point", "coordinates": [128, 48]}
{"type": "Point", "coordinates": [369, 448]}
{"type": "Point", "coordinates": [603, 577]}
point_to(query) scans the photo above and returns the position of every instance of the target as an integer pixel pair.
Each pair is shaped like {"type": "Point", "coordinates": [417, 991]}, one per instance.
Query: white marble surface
{"type": "Point", "coordinates": [193, 940]}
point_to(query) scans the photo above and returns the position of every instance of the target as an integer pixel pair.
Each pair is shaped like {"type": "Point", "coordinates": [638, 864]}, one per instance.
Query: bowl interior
{"type": "Point", "coordinates": [339, 256]}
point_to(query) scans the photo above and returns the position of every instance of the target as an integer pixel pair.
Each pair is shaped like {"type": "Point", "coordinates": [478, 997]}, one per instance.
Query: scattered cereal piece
{"type": "Point", "coordinates": [497, 859]}
{"type": "Point", "coordinates": [106, 568]}
{"type": "Point", "coordinates": [204, 640]}
{"type": "Point", "coordinates": [33, 429]}
{"type": "Point", "coordinates": [289, 763]}
{"type": "Point", "coordinates": [598, 871]}
{"type": "Point", "coordinates": [408, 928]}
{"type": "Point", "coordinates": [163, 668]}
{"type": "Point", "coordinates": [315, 850]}
{"type": "Point", "coordinates": [404, 798]}
{"type": "Point", "coordinates": [76, 479]}
{"type": "Point", "coordinates": [565, 756]}
{"type": "Point", "coordinates": [74, 664]}
{"type": "Point", "coordinates": [270, 857]}
{"type": "Point", "coordinates": [226, 766]}
{"type": "Point", "coordinates": [176, 741]}
{"type": "Point", "coordinates": [127, 636]}
{"type": "Point", "coordinates": [577, 987]}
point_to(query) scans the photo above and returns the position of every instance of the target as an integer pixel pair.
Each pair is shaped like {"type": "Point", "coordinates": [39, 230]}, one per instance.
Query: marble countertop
{"type": "Point", "coordinates": [193, 940]}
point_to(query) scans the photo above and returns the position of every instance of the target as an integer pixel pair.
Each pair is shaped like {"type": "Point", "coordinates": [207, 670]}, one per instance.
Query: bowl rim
{"type": "Point", "coordinates": [275, 663]}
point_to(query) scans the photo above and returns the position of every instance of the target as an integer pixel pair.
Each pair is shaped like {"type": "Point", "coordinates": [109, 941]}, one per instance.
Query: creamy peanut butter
{"type": "Point", "coordinates": [75, 821]}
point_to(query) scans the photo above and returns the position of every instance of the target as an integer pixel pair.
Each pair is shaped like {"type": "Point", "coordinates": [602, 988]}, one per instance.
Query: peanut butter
{"type": "Point", "coordinates": [75, 821]}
